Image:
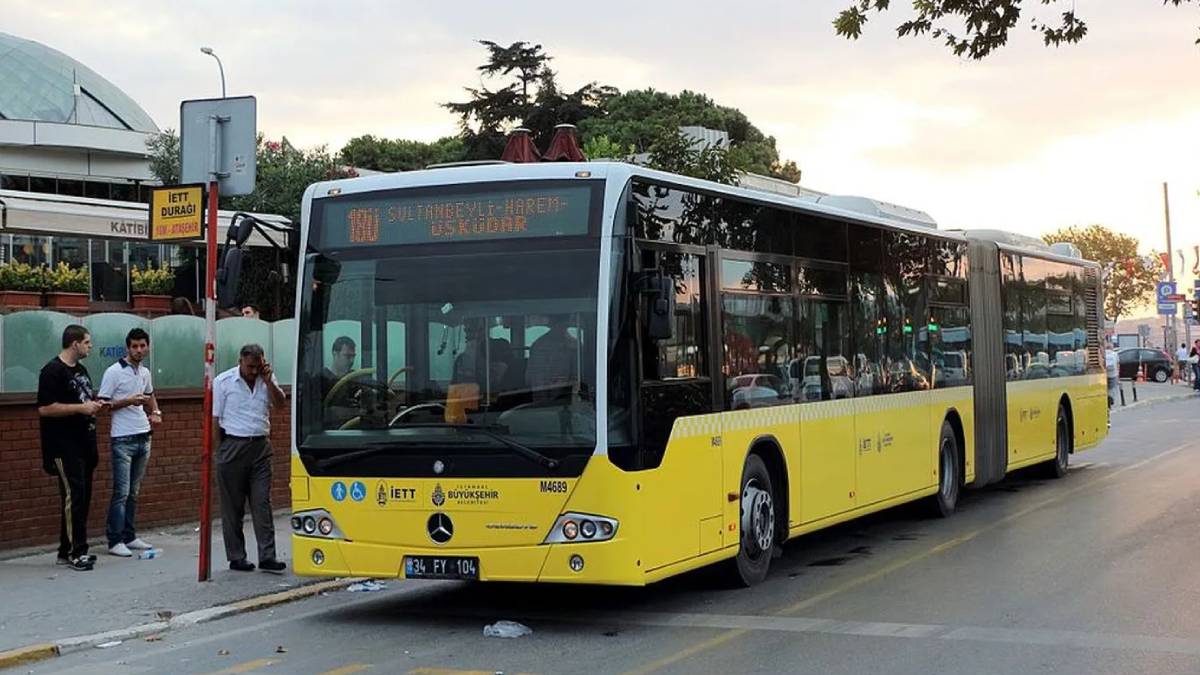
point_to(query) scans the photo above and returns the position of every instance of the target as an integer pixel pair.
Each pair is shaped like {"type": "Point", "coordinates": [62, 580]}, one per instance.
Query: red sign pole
{"type": "Point", "coordinates": [210, 341]}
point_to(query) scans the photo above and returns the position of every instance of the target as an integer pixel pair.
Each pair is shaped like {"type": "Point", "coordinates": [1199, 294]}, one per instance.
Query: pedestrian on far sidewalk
{"type": "Point", "coordinates": [1183, 370]}
{"type": "Point", "coordinates": [1194, 364]}
{"type": "Point", "coordinates": [127, 387]}
{"type": "Point", "coordinates": [242, 400]}
{"type": "Point", "coordinates": [67, 408]}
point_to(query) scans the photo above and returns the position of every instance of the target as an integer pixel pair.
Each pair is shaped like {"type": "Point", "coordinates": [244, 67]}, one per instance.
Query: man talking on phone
{"type": "Point", "coordinates": [242, 400]}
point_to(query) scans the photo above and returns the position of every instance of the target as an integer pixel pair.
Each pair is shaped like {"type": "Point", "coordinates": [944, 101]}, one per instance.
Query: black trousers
{"type": "Point", "coordinates": [244, 474]}
{"type": "Point", "coordinates": [74, 473]}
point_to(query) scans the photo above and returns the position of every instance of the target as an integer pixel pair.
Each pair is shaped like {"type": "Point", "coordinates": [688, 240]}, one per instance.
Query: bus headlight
{"type": "Point", "coordinates": [317, 523]}
{"type": "Point", "coordinates": [572, 528]}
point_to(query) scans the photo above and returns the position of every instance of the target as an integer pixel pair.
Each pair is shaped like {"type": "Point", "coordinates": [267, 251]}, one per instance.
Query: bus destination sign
{"type": "Point", "coordinates": [469, 216]}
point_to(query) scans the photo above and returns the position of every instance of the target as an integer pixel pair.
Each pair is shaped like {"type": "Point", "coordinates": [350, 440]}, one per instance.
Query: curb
{"type": "Point", "coordinates": [1147, 402]}
{"type": "Point", "coordinates": [39, 652]}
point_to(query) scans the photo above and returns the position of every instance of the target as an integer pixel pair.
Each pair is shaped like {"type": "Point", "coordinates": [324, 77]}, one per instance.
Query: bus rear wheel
{"type": "Point", "coordinates": [757, 525]}
{"type": "Point", "coordinates": [945, 501]}
{"type": "Point", "coordinates": [1057, 467]}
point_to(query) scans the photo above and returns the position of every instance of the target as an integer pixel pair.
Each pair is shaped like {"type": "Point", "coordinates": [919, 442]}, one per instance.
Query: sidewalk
{"type": "Point", "coordinates": [45, 603]}
{"type": "Point", "coordinates": [1150, 393]}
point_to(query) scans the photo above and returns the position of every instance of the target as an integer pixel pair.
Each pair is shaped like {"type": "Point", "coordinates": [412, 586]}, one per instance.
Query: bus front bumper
{"type": "Point", "coordinates": [608, 562]}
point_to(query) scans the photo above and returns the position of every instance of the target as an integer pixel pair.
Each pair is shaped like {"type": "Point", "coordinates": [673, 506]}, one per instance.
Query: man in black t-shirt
{"type": "Point", "coordinates": [67, 406]}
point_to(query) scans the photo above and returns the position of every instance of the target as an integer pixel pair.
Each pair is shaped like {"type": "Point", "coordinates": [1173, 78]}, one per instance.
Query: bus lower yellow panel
{"type": "Point", "coordinates": [894, 448]}
{"type": "Point", "coordinates": [827, 480]}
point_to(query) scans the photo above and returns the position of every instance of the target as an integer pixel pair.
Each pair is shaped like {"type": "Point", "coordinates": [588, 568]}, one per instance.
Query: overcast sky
{"type": "Point", "coordinates": [1030, 139]}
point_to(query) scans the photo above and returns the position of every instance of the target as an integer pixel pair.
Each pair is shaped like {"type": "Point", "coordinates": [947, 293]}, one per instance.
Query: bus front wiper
{"type": "Point", "coordinates": [495, 432]}
{"type": "Point", "coordinates": [374, 448]}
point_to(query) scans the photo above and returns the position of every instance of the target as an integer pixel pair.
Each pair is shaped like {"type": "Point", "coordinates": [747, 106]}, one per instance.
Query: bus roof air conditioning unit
{"type": "Point", "coordinates": [879, 209]}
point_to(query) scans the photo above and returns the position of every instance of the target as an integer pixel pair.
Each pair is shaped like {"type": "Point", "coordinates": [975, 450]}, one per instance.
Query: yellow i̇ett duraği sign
{"type": "Point", "coordinates": [177, 212]}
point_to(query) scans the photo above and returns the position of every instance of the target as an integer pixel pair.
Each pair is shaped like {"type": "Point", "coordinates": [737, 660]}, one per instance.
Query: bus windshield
{"type": "Point", "coordinates": [408, 349]}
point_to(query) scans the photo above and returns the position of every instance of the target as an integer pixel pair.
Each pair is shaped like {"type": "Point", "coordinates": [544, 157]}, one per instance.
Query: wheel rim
{"type": "Point", "coordinates": [947, 485]}
{"type": "Point", "coordinates": [1160, 376]}
{"type": "Point", "coordinates": [758, 519]}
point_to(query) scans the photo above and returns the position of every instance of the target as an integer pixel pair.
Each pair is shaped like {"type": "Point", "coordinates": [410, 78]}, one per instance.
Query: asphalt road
{"type": "Point", "coordinates": [1095, 573]}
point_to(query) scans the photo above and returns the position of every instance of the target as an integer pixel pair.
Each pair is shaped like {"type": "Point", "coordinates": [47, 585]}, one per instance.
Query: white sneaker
{"type": "Point", "coordinates": [139, 545]}
{"type": "Point", "coordinates": [120, 550]}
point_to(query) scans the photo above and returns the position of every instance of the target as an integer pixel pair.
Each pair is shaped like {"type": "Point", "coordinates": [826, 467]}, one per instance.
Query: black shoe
{"type": "Point", "coordinates": [80, 564]}
{"type": "Point", "coordinates": [241, 565]}
{"type": "Point", "coordinates": [272, 566]}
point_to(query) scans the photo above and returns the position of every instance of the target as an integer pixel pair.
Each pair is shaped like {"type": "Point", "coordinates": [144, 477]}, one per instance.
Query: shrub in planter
{"type": "Point", "coordinates": [152, 287]}
{"type": "Point", "coordinates": [68, 287]}
{"type": "Point", "coordinates": [21, 284]}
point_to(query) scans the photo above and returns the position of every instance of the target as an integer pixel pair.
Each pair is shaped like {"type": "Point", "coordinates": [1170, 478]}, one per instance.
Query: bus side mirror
{"type": "Point", "coordinates": [227, 278]}
{"type": "Point", "coordinates": [660, 317]}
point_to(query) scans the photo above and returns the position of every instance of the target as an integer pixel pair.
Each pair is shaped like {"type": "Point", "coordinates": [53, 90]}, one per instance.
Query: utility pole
{"type": "Point", "coordinates": [1169, 323]}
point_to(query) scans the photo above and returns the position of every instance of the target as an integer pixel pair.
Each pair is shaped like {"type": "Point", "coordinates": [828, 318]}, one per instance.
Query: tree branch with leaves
{"type": "Point", "coordinates": [972, 28]}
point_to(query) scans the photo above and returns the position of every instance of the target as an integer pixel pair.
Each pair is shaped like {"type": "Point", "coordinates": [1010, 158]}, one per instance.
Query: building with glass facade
{"type": "Point", "coordinates": [75, 175]}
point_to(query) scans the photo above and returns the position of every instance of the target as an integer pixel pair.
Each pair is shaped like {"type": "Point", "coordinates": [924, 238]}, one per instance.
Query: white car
{"type": "Point", "coordinates": [755, 390]}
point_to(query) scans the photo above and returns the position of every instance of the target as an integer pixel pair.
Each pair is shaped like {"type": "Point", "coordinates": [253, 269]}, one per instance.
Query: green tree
{"type": "Point", "coordinates": [1129, 283]}
{"type": "Point", "coordinates": [640, 117]}
{"type": "Point", "coordinates": [975, 28]}
{"type": "Point", "coordinates": [672, 151]}
{"type": "Point", "coordinates": [383, 154]}
{"type": "Point", "coordinates": [528, 95]}
{"type": "Point", "coordinates": [163, 149]}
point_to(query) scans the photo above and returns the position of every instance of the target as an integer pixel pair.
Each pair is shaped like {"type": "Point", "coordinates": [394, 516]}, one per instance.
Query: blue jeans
{"type": "Point", "coordinates": [129, 457]}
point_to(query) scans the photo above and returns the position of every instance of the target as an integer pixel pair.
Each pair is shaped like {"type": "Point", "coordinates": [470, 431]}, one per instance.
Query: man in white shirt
{"type": "Point", "coordinates": [242, 401]}
{"type": "Point", "coordinates": [127, 386]}
{"type": "Point", "coordinates": [1183, 370]}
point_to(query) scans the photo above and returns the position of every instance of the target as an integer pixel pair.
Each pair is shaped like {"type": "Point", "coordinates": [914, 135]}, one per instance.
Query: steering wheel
{"type": "Point", "coordinates": [349, 377]}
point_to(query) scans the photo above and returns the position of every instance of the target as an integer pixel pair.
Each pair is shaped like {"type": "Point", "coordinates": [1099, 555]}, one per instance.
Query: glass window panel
{"type": "Point", "coordinates": [820, 369]}
{"type": "Point", "coordinates": [950, 338]}
{"type": "Point", "coordinates": [759, 334]}
{"type": "Point", "coordinates": [31, 339]}
{"type": "Point", "coordinates": [177, 349]}
{"type": "Point", "coordinates": [674, 215]}
{"type": "Point", "coordinates": [110, 280]}
{"type": "Point", "coordinates": [43, 184]}
{"type": "Point", "coordinates": [124, 192]}
{"type": "Point", "coordinates": [108, 340]}
{"type": "Point", "coordinates": [31, 249]}
{"type": "Point", "coordinates": [866, 295]}
{"type": "Point", "coordinates": [96, 190]}
{"type": "Point", "coordinates": [71, 188]}
{"type": "Point", "coordinates": [818, 238]}
{"type": "Point", "coordinates": [683, 354]}
{"type": "Point", "coordinates": [69, 250]}
{"type": "Point", "coordinates": [817, 281]}
{"type": "Point", "coordinates": [235, 332]}
{"type": "Point", "coordinates": [283, 347]}
{"type": "Point", "coordinates": [10, 182]}
{"type": "Point", "coordinates": [755, 276]}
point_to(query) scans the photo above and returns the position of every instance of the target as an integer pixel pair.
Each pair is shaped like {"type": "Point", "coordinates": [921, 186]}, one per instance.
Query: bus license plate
{"type": "Point", "coordinates": [440, 567]}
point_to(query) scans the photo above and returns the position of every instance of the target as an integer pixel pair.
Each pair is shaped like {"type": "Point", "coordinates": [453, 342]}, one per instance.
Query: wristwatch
{"type": "Point", "coordinates": [157, 412]}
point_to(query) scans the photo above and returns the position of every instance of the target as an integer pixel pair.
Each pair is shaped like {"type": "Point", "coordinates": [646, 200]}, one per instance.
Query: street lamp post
{"type": "Point", "coordinates": [209, 51]}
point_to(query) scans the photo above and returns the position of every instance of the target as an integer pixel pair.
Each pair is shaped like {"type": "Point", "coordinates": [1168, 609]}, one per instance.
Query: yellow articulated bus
{"type": "Point", "coordinates": [599, 373]}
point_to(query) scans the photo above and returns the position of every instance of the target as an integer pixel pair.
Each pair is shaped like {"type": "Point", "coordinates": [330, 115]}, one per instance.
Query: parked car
{"type": "Point", "coordinates": [1158, 365]}
{"type": "Point", "coordinates": [755, 390]}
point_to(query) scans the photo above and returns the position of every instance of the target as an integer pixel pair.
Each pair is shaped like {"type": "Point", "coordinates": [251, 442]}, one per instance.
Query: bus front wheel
{"type": "Point", "coordinates": [757, 525]}
{"type": "Point", "coordinates": [943, 503]}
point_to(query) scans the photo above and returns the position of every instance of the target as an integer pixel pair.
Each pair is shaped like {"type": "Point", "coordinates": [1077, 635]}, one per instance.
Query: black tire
{"type": "Point", "coordinates": [1161, 375]}
{"type": "Point", "coordinates": [1057, 467]}
{"type": "Point", "coordinates": [758, 523]}
{"type": "Point", "coordinates": [950, 474]}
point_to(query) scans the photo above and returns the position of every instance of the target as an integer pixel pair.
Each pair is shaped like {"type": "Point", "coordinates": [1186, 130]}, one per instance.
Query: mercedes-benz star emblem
{"type": "Point", "coordinates": [440, 528]}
